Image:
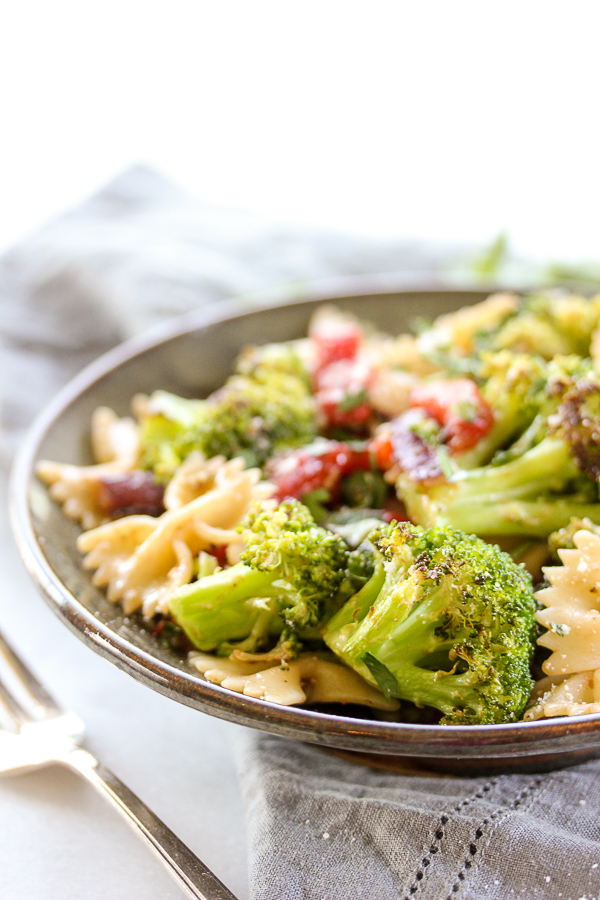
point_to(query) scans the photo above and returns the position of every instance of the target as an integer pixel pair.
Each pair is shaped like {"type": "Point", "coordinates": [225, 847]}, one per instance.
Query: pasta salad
{"type": "Point", "coordinates": [410, 524]}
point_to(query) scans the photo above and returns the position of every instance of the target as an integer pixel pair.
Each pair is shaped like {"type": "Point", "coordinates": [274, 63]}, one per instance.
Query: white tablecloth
{"type": "Point", "coordinates": [58, 839]}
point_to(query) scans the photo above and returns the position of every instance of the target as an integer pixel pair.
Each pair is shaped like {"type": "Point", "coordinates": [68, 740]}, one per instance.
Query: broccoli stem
{"type": "Point", "coordinates": [534, 518]}
{"type": "Point", "coordinates": [504, 429]}
{"type": "Point", "coordinates": [501, 500]}
{"type": "Point", "coordinates": [545, 467]}
{"type": "Point", "coordinates": [343, 623]}
{"type": "Point", "coordinates": [357, 625]}
{"type": "Point", "coordinates": [231, 605]}
{"type": "Point", "coordinates": [524, 518]}
{"type": "Point", "coordinates": [424, 687]}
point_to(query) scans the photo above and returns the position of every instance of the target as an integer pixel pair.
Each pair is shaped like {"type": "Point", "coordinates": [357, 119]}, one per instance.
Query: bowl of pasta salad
{"type": "Point", "coordinates": [371, 522]}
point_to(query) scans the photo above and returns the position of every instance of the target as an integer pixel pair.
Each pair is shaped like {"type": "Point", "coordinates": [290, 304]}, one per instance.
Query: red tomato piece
{"type": "Point", "coordinates": [341, 393]}
{"type": "Point", "coordinates": [219, 551]}
{"type": "Point", "coordinates": [389, 516]}
{"type": "Point", "coordinates": [458, 406]}
{"type": "Point", "coordinates": [382, 450]}
{"type": "Point", "coordinates": [298, 472]}
{"type": "Point", "coordinates": [339, 340]}
{"type": "Point", "coordinates": [130, 493]}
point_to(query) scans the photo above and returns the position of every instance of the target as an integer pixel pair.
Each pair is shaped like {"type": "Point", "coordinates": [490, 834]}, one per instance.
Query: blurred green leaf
{"type": "Point", "coordinates": [490, 261]}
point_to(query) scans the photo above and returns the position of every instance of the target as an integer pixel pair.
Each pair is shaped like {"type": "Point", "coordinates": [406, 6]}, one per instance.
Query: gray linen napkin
{"type": "Point", "coordinates": [320, 827]}
{"type": "Point", "coordinates": [323, 828]}
{"type": "Point", "coordinates": [142, 251]}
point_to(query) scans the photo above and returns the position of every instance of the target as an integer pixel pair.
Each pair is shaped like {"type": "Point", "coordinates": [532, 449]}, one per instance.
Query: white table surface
{"type": "Point", "coordinates": [58, 839]}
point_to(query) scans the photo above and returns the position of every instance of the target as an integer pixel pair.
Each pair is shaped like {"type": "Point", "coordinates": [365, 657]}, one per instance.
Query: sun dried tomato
{"type": "Point", "coordinates": [380, 447]}
{"type": "Point", "coordinates": [403, 443]}
{"type": "Point", "coordinates": [219, 551]}
{"type": "Point", "coordinates": [322, 465]}
{"type": "Point", "coordinates": [130, 493]}
{"type": "Point", "coordinates": [335, 341]}
{"type": "Point", "coordinates": [458, 406]}
{"type": "Point", "coordinates": [341, 393]}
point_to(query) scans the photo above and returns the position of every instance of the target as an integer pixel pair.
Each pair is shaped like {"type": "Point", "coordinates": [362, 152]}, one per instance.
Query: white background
{"type": "Point", "coordinates": [448, 121]}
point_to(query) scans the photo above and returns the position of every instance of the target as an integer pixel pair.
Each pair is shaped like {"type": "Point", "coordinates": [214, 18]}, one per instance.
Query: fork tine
{"type": "Point", "coordinates": [35, 691]}
{"type": "Point", "coordinates": [11, 706]}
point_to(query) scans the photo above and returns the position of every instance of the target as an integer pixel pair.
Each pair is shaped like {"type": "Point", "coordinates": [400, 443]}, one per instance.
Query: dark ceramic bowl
{"type": "Point", "coordinates": [192, 356]}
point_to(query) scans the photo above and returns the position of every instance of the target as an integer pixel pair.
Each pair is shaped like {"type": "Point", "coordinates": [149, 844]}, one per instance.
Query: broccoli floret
{"type": "Point", "coordinates": [513, 386]}
{"type": "Point", "coordinates": [547, 325]}
{"type": "Point", "coordinates": [578, 420]}
{"type": "Point", "coordinates": [167, 432]}
{"type": "Point", "coordinates": [251, 417]}
{"type": "Point", "coordinates": [537, 491]}
{"type": "Point", "coordinates": [446, 621]}
{"type": "Point", "coordinates": [286, 584]}
{"type": "Point", "coordinates": [260, 363]}
{"type": "Point", "coordinates": [562, 374]}
{"type": "Point", "coordinates": [453, 338]}
{"type": "Point", "coordinates": [528, 332]}
{"type": "Point", "coordinates": [255, 419]}
{"type": "Point", "coordinates": [574, 317]}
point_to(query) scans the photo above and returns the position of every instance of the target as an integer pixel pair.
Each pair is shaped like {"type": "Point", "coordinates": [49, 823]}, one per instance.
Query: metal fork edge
{"type": "Point", "coordinates": [190, 873]}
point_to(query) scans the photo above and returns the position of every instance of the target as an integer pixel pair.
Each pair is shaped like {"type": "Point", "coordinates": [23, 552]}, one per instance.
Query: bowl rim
{"type": "Point", "coordinates": [375, 736]}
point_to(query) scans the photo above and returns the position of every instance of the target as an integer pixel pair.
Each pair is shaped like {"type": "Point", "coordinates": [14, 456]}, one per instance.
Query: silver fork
{"type": "Point", "coordinates": [44, 734]}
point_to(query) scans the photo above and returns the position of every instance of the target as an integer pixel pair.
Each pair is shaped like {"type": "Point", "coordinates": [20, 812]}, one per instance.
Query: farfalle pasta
{"type": "Point", "coordinates": [572, 621]}
{"type": "Point", "coordinates": [116, 449]}
{"type": "Point", "coordinates": [140, 559]}
{"type": "Point", "coordinates": [305, 679]}
{"type": "Point", "coordinates": [575, 695]}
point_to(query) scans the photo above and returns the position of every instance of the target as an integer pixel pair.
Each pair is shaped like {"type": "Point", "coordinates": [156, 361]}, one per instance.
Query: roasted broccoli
{"type": "Point", "coordinates": [548, 324]}
{"type": "Point", "coordinates": [561, 376]}
{"type": "Point", "coordinates": [167, 430]}
{"type": "Point", "coordinates": [260, 363]}
{"type": "Point", "coordinates": [286, 584]}
{"type": "Point", "coordinates": [513, 386]}
{"type": "Point", "coordinates": [545, 324]}
{"type": "Point", "coordinates": [252, 416]}
{"type": "Point", "coordinates": [537, 491]}
{"type": "Point", "coordinates": [445, 621]}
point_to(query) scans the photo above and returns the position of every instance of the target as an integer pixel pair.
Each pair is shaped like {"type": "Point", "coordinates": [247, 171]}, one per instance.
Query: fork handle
{"type": "Point", "coordinates": [184, 866]}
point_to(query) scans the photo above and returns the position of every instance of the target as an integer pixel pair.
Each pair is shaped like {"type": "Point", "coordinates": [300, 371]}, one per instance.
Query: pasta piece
{"type": "Point", "coordinates": [75, 488]}
{"type": "Point", "coordinates": [233, 552]}
{"type": "Point", "coordinates": [141, 560]}
{"type": "Point", "coordinates": [193, 478]}
{"type": "Point", "coordinates": [140, 406]}
{"type": "Point", "coordinates": [389, 392]}
{"type": "Point", "coordinates": [110, 547]}
{"type": "Point", "coordinates": [399, 353]}
{"type": "Point", "coordinates": [572, 617]}
{"type": "Point", "coordinates": [115, 445]}
{"type": "Point", "coordinates": [307, 679]}
{"type": "Point", "coordinates": [114, 439]}
{"type": "Point", "coordinates": [572, 614]}
{"type": "Point", "coordinates": [576, 695]}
